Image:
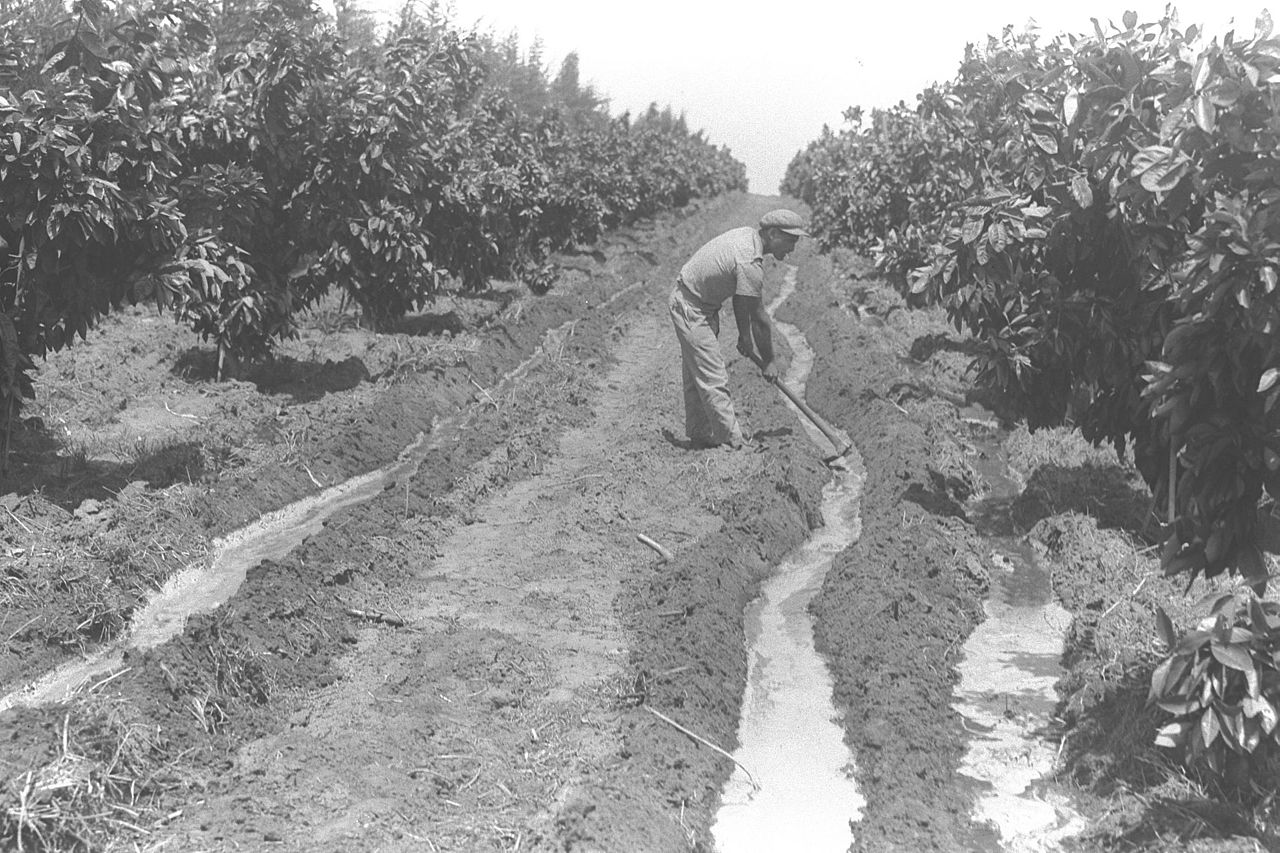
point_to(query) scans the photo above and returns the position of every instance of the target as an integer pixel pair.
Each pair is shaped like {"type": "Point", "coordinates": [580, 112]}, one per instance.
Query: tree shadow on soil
{"type": "Point", "coordinates": [39, 462]}
{"type": "Point", "coordinates": [1189, 821]}
{"type": "Point", "coordinates": [429, 325]}
{"type": "Point", "coordinates": [1106, 493]}
{"type": "Point", "coordinates": [301, 381]}
{"type": "Point", "coordinates": [926, 347]}
{"type": "Point", "coordinates": [1109, 753]}
{"type": "Point", "coordinates": [933, 501]}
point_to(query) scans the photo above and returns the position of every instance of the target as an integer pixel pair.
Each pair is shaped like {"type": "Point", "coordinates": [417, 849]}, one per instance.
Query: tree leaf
{"type": "Point", "coordinates": [1046, 142]}
{"type": "Point", "coordinates": [1233, 657]}
{"type": "Point", "coordinates": [1173, 735]}
{"type": "Point", "coordinates": [1268, 379]}
{"type": "Point", "coordinates": [1147, 157]}
{"type": "Point", "coordinates": [1210, 728]}
{"type": "Point", "coordinates": [1225, 93]}
{"type": "Point", "coordinates": [1070, 107]}
{"type": "Point", "coordinates": [920, 279]}
{"type": "Point", "coordinates": [1159, 677]}
{"type": "Point", "coordinates": [1034, 175]}
{"type": "Point", "coordinates": [1081, 191]}
{"type": "Point", "coordinates": [1204, 112]}
{"type": "Point", "coordinates": [1179, 708]}
{"type": "Point", "coordinates": [1201, 75]}
{"type": "Point", "coordinates": [1268, 714]}
{"type": "Point", "coordinates": [1165, 626]}
{"type": "Point", "coordinates": [998, 237]}
{"type": "Point", "coordinates": [1130, 19]}
{"type": "Point", "coordinates": [1164, 176]}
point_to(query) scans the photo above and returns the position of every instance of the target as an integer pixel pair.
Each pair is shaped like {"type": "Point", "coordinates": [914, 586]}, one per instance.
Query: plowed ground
{"type": "Point", "coordinates": [471, 660]}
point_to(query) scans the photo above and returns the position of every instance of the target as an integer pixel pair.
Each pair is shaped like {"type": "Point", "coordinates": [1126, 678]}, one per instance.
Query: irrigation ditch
{"type": "Point", "coordinates": [467, 641]}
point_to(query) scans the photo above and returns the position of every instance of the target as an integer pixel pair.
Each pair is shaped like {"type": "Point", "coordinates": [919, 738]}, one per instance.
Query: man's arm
{"type": "Point", "coordinates": [755, 333]}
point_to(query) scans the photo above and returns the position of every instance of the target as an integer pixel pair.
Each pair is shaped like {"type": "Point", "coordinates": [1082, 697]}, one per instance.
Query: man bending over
{"type": "Point", "coordinates": [731, 265]}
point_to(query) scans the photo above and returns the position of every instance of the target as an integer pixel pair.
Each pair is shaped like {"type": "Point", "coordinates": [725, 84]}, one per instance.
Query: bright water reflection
{"type": "Point", "coordinates": [801, 794]}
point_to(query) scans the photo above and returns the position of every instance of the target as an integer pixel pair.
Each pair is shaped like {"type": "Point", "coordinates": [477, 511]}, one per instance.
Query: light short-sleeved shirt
{"type": "Point", "coordinates": [729, 265]}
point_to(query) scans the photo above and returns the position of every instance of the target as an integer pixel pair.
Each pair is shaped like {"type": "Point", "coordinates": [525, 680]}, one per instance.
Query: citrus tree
{"type": "Point", "coordinates": [1117, 250]}
{"type": "Point", "coordinates": [236, 161]}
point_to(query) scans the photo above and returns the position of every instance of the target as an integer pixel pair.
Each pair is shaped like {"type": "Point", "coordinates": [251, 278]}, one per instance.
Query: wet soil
{"type": "Point", "coordinates": [484, 656]}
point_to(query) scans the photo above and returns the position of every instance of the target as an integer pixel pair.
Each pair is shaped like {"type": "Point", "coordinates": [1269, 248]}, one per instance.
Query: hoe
{"type": "Point", "coordinates": [839, 442]}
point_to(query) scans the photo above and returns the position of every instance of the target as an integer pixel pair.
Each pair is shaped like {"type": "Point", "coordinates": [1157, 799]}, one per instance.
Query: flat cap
{"type": "Point", "coordinates": [784, 220]}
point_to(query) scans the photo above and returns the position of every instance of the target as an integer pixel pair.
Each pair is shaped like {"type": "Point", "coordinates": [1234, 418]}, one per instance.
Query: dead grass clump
{"type": "Point", "coordinates": [231, 669]}
{"type": "Point", "coordinates": [1062, 446]}
{"type": "Point", "coordinates": [228, 673]}
{"type": "Point", "coordinates": [100, 787]}
{"type": "Point", "coordinates": [148, 536]}
{"type": "Point", "coordinates": [77, 591]}
{"type": "Point", "coordinates": [162, 463]}
{"type": "Point", "coordinates": [407, 356]}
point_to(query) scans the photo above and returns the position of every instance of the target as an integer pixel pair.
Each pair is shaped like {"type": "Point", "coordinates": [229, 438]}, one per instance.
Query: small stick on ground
{"type": "Point", "coordinates": [486, 394]}
{"type": "Point", "coordinates": [20, 521]}
{"type": "Point", "coordinates": [662, 552]}
{"type": "Point", "coordinates": [578, 479]}
{"type": "Point", "coordinates": [375, 616]}
{"type": "Point", "coordinates": [319, 485]}
{"type": "Point", "coordinates": [1117, 602]}
{"type": "Point", "coordinates": [180, 414]}
{"type": "Point", "coordinates": [661, 716]}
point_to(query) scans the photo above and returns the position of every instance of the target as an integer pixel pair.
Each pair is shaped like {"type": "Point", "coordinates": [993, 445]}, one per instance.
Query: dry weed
{"type": "Point", "coordinates": [100, 789]}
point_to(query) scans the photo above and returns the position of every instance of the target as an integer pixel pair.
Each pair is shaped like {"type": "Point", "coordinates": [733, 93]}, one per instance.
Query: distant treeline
{"type": "Point", "coordinates": [234, 161]}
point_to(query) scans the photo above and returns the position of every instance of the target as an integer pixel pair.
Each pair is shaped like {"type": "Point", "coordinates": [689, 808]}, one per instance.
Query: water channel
{"type": "Point", "coordinates": [797, 791]}
{"type": "Point", "coordinates": [1006, 691]}
{"type": "Point", "coordinates": [207, 585]}
{"type": "Point", "coordinates": [793, 786]}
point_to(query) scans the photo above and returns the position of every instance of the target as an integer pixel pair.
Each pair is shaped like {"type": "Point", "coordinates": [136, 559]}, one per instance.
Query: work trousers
{"type": "Point", "coordinates": [709, 418]}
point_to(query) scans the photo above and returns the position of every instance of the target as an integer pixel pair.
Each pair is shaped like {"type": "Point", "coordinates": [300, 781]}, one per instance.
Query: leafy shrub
{"type": "Point", "coordinates": [235, 163]}
{"type": "Point", "coordinates": [1115, 244]}
{"type": "Point", "coordinates": [1221, 683]}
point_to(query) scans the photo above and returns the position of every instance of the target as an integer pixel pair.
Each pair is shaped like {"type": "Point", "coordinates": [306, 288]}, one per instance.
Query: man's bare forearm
{"type": "Point", "coordinates": [762, 334]}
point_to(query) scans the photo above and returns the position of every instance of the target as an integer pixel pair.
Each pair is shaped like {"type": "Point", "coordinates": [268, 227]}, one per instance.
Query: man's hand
{"type": "Point", "coordinates": [769, 371]}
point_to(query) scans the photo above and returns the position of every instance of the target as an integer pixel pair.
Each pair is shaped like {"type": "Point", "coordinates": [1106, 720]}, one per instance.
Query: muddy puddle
{"type": "Point", "coordinates": [792, 786]}
{"type": "Point", "coordinates": [1006, 691]}
{"type": "Point", "coordinates": [206, 586]}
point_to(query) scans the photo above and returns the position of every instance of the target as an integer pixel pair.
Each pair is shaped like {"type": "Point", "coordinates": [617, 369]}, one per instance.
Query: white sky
{"type": "Point", "coordinates": [763, 78]}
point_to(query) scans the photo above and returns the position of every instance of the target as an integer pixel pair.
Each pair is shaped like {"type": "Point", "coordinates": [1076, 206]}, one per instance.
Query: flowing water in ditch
{"type": "Point", "coordinates": [1006, 692]}
{"type": "Point", "coordinates": [205, 586]}
{"type": "Point", "coordinates": [793, 786]}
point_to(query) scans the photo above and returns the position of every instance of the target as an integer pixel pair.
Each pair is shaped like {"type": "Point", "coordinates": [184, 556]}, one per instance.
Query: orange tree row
{"type": "Point", "coordinates": [1102, 211]}
{"type": "Point", "coordinates": [234, 162]}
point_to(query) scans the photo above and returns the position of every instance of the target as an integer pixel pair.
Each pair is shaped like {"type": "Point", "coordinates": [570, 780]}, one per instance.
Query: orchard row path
{"type": "Point", "coordinates": [485, 656]}
{"type": "Point", "coordinates": [496, 717]}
